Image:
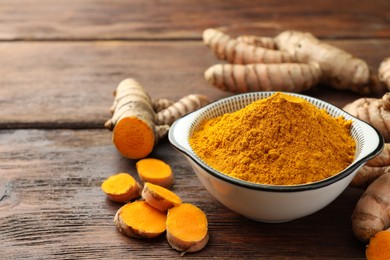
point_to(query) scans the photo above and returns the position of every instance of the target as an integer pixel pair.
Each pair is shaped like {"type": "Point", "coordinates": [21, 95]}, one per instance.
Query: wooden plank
{"type": "Point", "coordinates": [172, 19]}
{"type": "Point", "coordinates": [69, 84]}
{"type": "Point", "coordinates": [51, 205]}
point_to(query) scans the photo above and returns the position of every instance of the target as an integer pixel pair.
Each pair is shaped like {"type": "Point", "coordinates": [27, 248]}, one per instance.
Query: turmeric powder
{"type": "Point", "coordinates": [280, 140]}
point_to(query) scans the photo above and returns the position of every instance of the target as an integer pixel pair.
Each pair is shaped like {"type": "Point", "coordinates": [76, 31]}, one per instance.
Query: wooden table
{"type": "Point", "coordinates": [59, 64]}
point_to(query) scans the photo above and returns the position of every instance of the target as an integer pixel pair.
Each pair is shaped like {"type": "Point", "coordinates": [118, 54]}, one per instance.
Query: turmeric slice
{"type": "Point", "coordinates": [187, 229]}
{"type": "Point", "coordinates": [140, 220]}
{"type": "Point", "coordinates": [121, 187]}
{"type": "Point", "coordinates": [155, 171]}
{"type": "Point", "coordinates": [160, 197]}
{"type": "Point", "coordinates": [379, 246]}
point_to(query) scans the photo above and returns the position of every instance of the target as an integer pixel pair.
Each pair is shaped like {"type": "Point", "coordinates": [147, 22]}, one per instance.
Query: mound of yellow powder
{"type": "Point", "coordinates": [280, 140]}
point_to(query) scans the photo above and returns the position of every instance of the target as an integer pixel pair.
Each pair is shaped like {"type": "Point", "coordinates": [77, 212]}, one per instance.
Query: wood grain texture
{"type": "Point", "coordinates": [59, 64]}
{"type": "Point", "coordinates": [70, 84]}
{"type": "Point", "coordinates": [175, 19]}
{"type": "Point", "coordinates": [52, 207]}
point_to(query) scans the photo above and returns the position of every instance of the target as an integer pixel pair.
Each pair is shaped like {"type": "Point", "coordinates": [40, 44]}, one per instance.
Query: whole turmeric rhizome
{"type": "Point", "coordinates": [280, 140]}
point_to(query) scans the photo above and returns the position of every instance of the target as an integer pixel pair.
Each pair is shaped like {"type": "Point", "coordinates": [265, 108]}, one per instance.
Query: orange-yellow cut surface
{"type": "Point", "coordinates": [187, 222]}
{"type": "Point", "coordinates": [118, 184]}
{"type": "Point", "coordinates": [133, 138]}
{"type": "Point", "coordinates": [379, 246]}
{"type": "Point", "coordinates": [165, 193]}
{"type": "Point", "coordinates": [141, 216]}
{"type": "Point", "coordinates": [153, 168]}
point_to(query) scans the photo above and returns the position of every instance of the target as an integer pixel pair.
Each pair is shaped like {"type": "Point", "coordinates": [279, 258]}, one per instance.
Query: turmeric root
{"type": "Point", "coordinates": [133, 122]}
{"type": "Point", "coordinates": [187, 229]}
{"type": "Point", "coordinates": [140, 220]}
{"type": "Point", "coordinates": [240, 52]}
{"type": "Point", "coordinates": [180, 108]}
{"type": "Point", "coordinates": [161, 104]}
{"type": "Point", "coordinates": [379, 246]}
{"type": "Point", "coordinates": [384, 72]}
{"type": "Point", "coordinates": [291, 77]}
{"type": "Point", "coordinates": [155, 171]}
{"type": "Point", "coordinates": [337, 67]}
{"type": "Point", "coordinates": [138, 123]}
{"type": "Point", "coordinates": [372, 212]}
{"type": "Point", "coordinates": [121, 187]}
{"type": "Point", "coordinates": [374, 168]}
{"type": "Point", "coordinates": [374, 111]}
{"type": "Point", "coordinates": [265, 42]}
{"type": "Point", "coordinates": [159, 197]}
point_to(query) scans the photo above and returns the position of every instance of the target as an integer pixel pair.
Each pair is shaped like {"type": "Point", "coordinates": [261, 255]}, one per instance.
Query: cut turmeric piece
{"type": "Point", "coordinates": [155, 171]}
{"type": "Point", "coordinates": [379, 246]}
{"type": "Point", "coordinates": [133, 121]}
{"type": "Point", "coordinates": [160, 197]}
{"type": "Point", "coordinates": [140, 220]}
{"type": "Point", "coordinates": [121, 187]}
{"type": "Point", "coordinates": [138, 123]}
{"type": "Point", "coordinates": [187, 229]}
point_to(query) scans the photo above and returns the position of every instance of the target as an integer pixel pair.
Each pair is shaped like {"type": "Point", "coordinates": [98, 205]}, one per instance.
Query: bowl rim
{"type": "Point", "coordinates": [274, 188]}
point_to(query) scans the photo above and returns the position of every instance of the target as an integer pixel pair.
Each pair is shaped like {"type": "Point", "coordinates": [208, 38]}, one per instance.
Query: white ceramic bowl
{"type": "Point", "coordinates": [272, 203]}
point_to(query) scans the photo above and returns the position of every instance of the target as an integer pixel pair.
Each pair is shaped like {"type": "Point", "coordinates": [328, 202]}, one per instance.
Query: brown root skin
{"type": "Point", "coordinates": [368, 174]}
{"type": "Point", "coordinates": [264, 42]}
{"type": "Point", "coordinates": [382, 159]}
{"type": "Point", "coordinates": [338, 68]}
{"type": "Point", "coordinates": [371, 214]}
{"type": "Point", "coordinates": [238, 78]}
{"type": "Point", "coordinates": [348, 72]}
{"type": "Point", "coordinates": [374, 111]}
{"type": "Point", "coordinates": [187, 246]}
{"type": "Point", "coordinates": [161, 104]}
{"type": "Point", "coordinates": [239, 52]}
{"type": "Point", "coordinates": [141, 220]}
{"type": "Point", "coordinates": [384, 73]}
{"type": "Point", "coordinates": [373, 169]}
{"type": "Point", "coordinates": [180, 108]}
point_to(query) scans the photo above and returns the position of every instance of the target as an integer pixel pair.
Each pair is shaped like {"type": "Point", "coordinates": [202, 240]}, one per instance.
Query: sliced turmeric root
{"type": "Point", "coordinates": [121, 187]}
{"type": "Point", "coordinates": [133, 121]}
{"type": "Point", "coordinates": [160, 197]}
{"type": "Point", "coordinates": [138, 123]}
{"type": "Point", "coordinates": [379, 246]}
{"type": "Point", "coordinates": [155, 171]}
{"type": "Point", "coordinates": [140, 220]}
{"type": "Point", "coordinates": [187, 229]}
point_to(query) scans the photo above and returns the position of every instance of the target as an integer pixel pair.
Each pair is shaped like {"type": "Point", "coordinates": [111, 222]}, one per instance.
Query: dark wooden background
{"type": "Point", "coordinates": [59, 64]}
